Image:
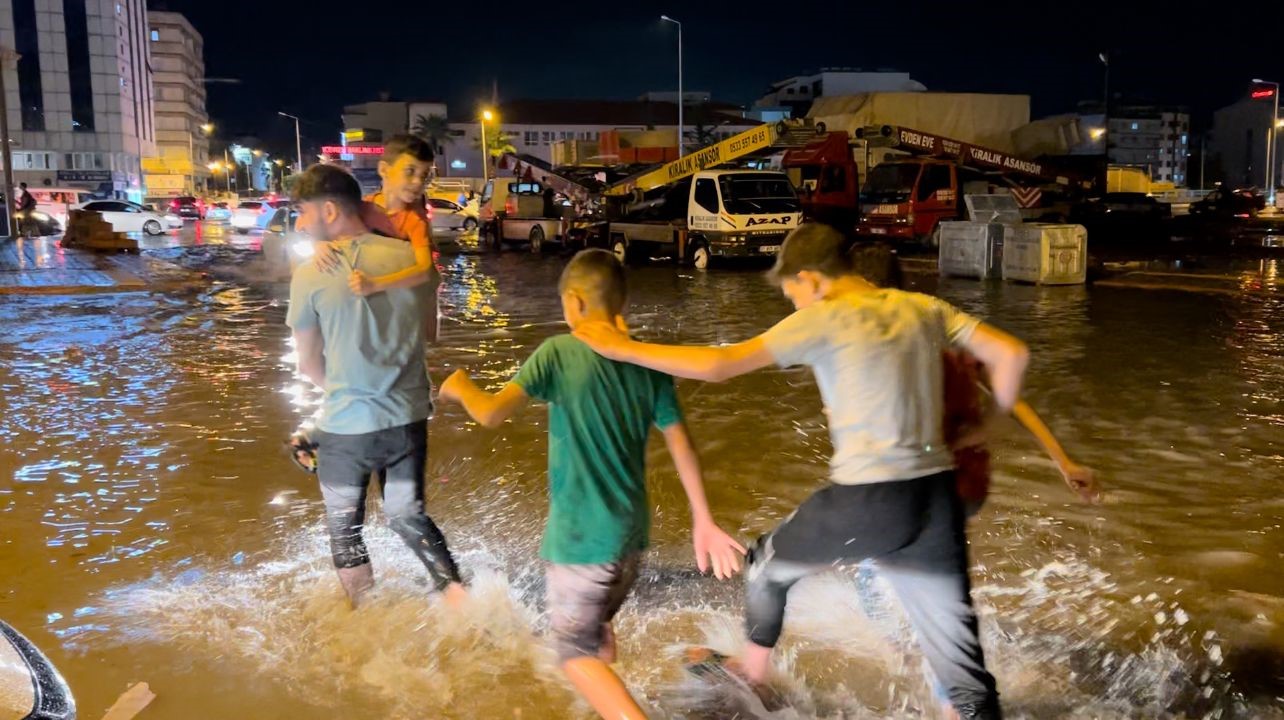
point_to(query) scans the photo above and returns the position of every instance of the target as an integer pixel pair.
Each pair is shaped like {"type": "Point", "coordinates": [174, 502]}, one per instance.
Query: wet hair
{"type": "Point", "coordinates": [598, 277]}
{"type": "Point", "coordinates": [877, 263]}
{"type": "Point", "coordinates": [416, 147]}
{"type": "Point", "coordinates": [329, 182]}
{"type": "Point", "coordinates": [22, 185]}
{"type": "Point", "coordinates": [812, 246]}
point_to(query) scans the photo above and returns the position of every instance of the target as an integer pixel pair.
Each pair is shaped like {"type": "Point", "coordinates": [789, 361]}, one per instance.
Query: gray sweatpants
{"type": "Point", "coordinates": [914, 529]}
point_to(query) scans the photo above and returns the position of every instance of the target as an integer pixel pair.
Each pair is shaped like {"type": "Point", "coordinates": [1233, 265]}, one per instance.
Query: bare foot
{"type": "Point", "coordinates": [456, 596]}
{"type": "Point", "coordinates": [356, 582]}
{"type": "Point", "coordinates": [606, 653]}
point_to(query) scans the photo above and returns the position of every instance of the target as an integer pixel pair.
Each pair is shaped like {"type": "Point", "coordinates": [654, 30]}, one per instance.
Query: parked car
{"type": "Point", "coordinates": [57, 201]}
{"type": "Point", "coordinates": [34, 223]}
{"type": "Point", "coordinates": [1223, 203]}
{"type": "Point", "coordinates": [187, 206]}
{"type": "Point", "coordinates": [125, 217]}
{"type": "Point", "coordinates": [449, 216]}
{"type": "Point", "coordinates": [218, 212]}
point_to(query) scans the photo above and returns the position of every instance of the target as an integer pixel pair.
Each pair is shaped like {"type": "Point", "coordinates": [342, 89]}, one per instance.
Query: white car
{"type": "Point", "coordinates": [448, 216]}
{"type": "Point", "coordinates": [254, 214]}
{"type": "Point", "coordinates": [127, 217]}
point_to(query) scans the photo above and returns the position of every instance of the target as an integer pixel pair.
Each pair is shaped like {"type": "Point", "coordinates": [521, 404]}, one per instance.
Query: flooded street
{"type": "Point", "coordinates": [153, 528]}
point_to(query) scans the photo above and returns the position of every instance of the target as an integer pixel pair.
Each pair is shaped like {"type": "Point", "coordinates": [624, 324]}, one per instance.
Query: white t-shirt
{"type": "Point", "coordinates": [877, 358]}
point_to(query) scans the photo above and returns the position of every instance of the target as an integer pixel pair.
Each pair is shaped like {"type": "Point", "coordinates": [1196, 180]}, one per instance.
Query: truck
{"type": "Point", "coordinates": [513, 210]}
{"type": "Point", "coordinates": [696, 208]}
{"type": "Point", "coordinates": [907, 196]}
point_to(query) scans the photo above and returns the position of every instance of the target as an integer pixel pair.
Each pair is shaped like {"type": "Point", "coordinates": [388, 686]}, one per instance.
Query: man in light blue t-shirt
{"type": "Point", "coordinates": [367, 353]}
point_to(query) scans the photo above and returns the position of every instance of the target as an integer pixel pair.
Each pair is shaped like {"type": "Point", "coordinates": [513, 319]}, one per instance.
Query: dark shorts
{"type": "Point", "coordinates": [581, 598]}
{"type": "Point", "coordinates": [398, 456]}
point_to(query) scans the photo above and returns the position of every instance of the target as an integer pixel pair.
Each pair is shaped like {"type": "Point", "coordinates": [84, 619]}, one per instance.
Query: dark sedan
{"type": "Point", "coordinates": [188, 207]}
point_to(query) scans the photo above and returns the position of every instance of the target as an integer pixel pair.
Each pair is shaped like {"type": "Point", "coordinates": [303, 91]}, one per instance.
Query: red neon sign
{"type": "Point", "coordinates": [1263, 93]}
{"type": "Point", "coordinates": [350, 150]}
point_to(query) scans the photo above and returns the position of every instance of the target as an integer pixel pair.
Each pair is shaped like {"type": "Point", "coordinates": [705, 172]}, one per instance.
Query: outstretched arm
{"type": "Point", "coordinates": [713, 546]}
{"type": "Point", "coordinates": [1080, 479]}
{"type": "Point", "coordinates": [1005, 359]}
{"type": "Point", "coordinates": [489, 409]}
{"type": "Point", "coordinates": [711, 364]}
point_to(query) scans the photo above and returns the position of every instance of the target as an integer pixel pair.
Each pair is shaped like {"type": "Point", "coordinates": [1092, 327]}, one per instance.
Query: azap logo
{"type": "Point", "coordinates": [767, 221]}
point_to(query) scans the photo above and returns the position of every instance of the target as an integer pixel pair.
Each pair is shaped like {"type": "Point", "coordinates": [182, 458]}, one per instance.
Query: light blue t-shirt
{"type": "Point", "coordinates": [877, 358]}
{"type": "Point", "coordinates": [376, 376]}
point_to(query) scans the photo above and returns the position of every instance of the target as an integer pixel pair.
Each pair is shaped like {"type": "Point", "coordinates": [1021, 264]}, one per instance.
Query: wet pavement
{"type": "Point", "coordinates": [153, 529]}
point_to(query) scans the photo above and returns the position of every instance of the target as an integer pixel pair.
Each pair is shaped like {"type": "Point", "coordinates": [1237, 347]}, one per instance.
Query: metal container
{"type": "Point", "coordinates": [971, 249]}
{"type": "Point", "coordinates": [1046, 254]}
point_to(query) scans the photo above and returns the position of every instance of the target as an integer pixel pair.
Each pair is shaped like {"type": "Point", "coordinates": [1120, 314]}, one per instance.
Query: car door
{"type": "Point", "coordinates": [112, 213]}
{"type": "Point", "coordinates": [445, 214]}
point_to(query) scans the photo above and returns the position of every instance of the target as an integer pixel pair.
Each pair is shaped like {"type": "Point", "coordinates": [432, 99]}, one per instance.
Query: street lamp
{"type": "Point", "coordinates": [298, 143]}
{"type": "Point", "coordinates": [1270, 140]}
{"type": "Point", "coordinates": [486, 117]}
{"type": "Point", "coordinates": [206, 129]}
{"type": "Point", "coordinates": [681, 99]}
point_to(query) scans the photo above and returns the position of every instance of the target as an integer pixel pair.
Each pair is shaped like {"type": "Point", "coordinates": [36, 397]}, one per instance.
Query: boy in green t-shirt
{"type": "Point", "coordinates": [600, 415]}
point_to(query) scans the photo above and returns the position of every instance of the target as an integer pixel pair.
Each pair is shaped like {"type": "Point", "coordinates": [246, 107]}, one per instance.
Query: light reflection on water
{"type": "Point", "coordinates": [157, 531]}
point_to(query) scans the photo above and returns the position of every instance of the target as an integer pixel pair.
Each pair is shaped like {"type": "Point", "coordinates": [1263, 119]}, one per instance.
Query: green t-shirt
{"type": "Point", "coordinates": [600, 413]}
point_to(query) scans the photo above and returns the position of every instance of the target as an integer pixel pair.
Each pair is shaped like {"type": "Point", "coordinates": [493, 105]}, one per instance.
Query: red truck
{"type": "Point", "coordinates": [905, 198]}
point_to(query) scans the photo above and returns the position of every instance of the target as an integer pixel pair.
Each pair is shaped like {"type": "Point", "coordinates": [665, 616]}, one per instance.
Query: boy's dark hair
{"type": "Point", "coordinates": [328, 182]}
{"type": "Point", "coordinates": [813, 246]}
{"type": "Point", "coordinates": [599, 277]}
{"type": "Point", "coordinates": [877, 263]}
{"type": "Point", "coordinates": [414, 146]}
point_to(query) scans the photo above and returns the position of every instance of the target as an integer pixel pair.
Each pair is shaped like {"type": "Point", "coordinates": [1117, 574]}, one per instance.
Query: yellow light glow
{"type": "Point", "coordinates": [215, 167]}
{"type": "Point", "coordinates": [488, 115]}
{"type": "Point", "coordinates": [258, 153]}
{"type": "Point", "coordinates": [1096, 133]}
{"type": "Point", "coordinates": [207, 128]}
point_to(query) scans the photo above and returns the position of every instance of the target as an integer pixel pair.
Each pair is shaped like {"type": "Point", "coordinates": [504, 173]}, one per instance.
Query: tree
{"type": "Point", "coordinates": [434, 129]}
{"type": "Point", "coordinates": [702, 126]}
{"type": "Point", "coordinates": [499, 144]}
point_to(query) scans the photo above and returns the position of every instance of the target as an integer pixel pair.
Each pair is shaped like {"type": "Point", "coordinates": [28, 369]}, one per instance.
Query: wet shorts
{"type": "Point", "coordinates": [581, 598]}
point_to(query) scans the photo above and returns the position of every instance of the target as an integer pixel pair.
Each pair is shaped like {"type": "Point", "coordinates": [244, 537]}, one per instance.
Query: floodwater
{"type": "Point", "coordinates": [152, 527]}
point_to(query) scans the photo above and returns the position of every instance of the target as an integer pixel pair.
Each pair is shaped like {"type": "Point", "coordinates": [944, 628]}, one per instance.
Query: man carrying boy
{"type": "Point", "coordinates": [877, 358]}
{"type": "Point", "coordinates": [600, 415]}
{"type": "Point", "coordinates": [367, 354]}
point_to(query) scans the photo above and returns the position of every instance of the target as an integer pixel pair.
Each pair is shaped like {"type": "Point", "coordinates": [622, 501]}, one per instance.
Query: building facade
{"type": "Point", "coordinates": [80, 98]}
{"type": "Point", "coordinates": [181, 162]}
{"type": "Point", "coordinates": [1237, 146]}
{"type": "Point", "coordinates": [530, 126]}
{"type": "Point", "coordinates": [1155, 139]}
{"type": "Point", "coordinates": [797, 93]}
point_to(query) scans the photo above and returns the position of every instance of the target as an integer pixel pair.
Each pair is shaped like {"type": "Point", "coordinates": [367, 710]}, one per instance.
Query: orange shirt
{"type": "Point", "coordinates": [410, 225]}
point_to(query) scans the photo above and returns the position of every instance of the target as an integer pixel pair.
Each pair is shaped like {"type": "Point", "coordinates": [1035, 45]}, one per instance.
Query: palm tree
{"type": "Point", "coordinates": [500, 144]}
{"type": "Point", "coordinates": [434, 129]}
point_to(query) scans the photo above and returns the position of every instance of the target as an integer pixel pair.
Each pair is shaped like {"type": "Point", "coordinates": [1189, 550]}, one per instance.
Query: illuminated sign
{"type": "Point", "coordinates": [1263, 93]}
{"type": "Point", "coordinates": [351, 150]}
{"type": "Point", "coordinates": [351, 135]}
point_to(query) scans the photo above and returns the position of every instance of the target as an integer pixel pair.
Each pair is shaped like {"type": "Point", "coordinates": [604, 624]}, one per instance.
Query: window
{"type": "Point", "coordinates": [546, 136]}
{"type": "Point", "coordinates": [706, 195]}
{"type": "Point", "coordinates": [1183, 139]}
{"type": "Point", "coordinates": [30, 91]}
{"type": "Point", "coordinates": [33, 161]}
{"type": "Point", "coordinates": [78, 67]}
{"type": "Point", "coordinates": [156, 36]}
{"type": "Point", "coordinates": [833, 179]}
{"type": "Point", "coordinates": [935, 177]}
{"type": "Point", "coordinates": [530, 137]}
{"type": "Point", "coordinates": [789, 91]}
{"type": "Point", "coordinates": [1134, 126]}
{"type": "Point", "coordinates": [84, 161]}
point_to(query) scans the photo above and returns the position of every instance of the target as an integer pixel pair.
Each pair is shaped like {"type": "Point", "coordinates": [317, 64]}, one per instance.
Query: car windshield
{"type": "Point", "coordinates": [890, 183]}
{"type": "Point", "coordinates": [745, 193]}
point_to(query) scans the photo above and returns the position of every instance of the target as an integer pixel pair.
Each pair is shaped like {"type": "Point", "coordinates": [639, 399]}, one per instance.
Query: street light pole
{"type": "Point", "coordinates": [1270, 141]}
{"type": "Point", "coordinates": [681, 98]}
{"type": "Point", "coordinates": [298, 142]}
{"type": "Point", "coordinates": [1105, 120]}
{"type": "Point", "coordinates": [485, 118]}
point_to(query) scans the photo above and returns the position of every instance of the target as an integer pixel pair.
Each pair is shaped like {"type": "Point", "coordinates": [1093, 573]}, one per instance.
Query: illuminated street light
{"type": "Point", "coordinates": [486, 117]}
{"type": "Point", "coordinates": [1274, 94]}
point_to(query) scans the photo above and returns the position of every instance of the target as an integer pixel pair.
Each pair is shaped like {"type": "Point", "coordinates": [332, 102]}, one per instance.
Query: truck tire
{"type": "Point", "coordinates": [700, 256]}
{"type": "Point", "coordinates": [620, 248]}
{"type": "Point", "coordinates": [537, 240]}
{"type": "Point", "coordinates": [934, 238]}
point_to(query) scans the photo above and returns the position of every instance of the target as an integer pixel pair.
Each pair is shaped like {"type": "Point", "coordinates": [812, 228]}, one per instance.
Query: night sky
{"type": "Point", "coordinates": [310, 58]}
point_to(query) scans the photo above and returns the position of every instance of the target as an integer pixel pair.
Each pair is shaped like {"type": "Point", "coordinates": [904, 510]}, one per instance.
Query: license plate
{"type": "Point", "coordinates": [768, 248]}
{"type": "Point", "coordinates": [878, 231]}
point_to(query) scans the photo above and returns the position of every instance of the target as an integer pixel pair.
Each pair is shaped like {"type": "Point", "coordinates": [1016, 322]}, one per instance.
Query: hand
{"type": "Point", "coordinates": [451, 389]}
{"type": "Point", "coordinates": [324, 257]}
{"type": "Point", "coordinates": [715, 548]}
{"type": "Point", "coordinates": [361, 284]}
{"type": "Point", "coordinates": [1082, 481]}
{"type": "Point", "coordinates": [609, 341]}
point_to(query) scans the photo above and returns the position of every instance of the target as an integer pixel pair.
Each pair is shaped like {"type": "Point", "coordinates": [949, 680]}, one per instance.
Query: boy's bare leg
{"type": "Point", "coordinates": [356, 582]}
{"type": "Point", "coordinates": [603, 689]}
{"type": "Point", "coordinates": [606, 653]}
{"type": "Point", "coordinates": [754, 663]}
{"type": "Point", "coordinates": [456, 595]}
